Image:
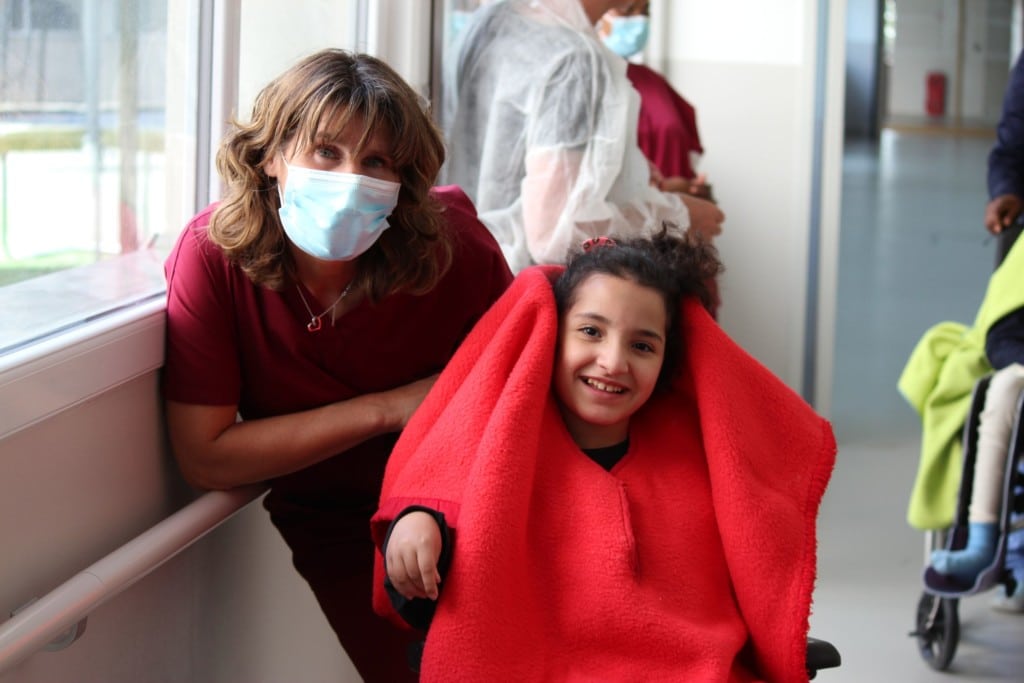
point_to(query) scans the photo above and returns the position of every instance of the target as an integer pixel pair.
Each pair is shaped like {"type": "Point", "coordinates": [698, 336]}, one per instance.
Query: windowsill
{"type": "Point", "coordinates": [72, 335]}
{"type": "Point", "coordinates": [45, 306]}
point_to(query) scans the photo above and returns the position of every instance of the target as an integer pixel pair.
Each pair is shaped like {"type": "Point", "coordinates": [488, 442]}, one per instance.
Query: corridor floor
{"type": "Point", "coordinates": [913, 252]}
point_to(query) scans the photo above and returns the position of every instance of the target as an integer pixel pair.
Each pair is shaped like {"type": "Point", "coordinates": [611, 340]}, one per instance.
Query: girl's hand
{"type": "Point", "coordinates": [411, 556]}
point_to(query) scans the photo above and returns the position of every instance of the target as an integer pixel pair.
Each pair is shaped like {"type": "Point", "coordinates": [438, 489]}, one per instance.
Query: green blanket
{"type": "Point", "coordinates": [937, 381]}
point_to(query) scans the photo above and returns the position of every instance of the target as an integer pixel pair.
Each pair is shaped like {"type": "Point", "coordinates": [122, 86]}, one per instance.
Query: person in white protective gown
{"type": "Point", "coordinates": [541, 124]}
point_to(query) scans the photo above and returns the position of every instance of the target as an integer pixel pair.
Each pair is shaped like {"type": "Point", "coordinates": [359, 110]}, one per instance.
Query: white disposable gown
{"type": "Point", "coordinates": [541, 124]}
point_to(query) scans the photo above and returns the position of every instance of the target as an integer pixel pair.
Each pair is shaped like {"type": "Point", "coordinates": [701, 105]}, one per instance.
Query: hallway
{"type": "Point", "coordinates": [913, 252]}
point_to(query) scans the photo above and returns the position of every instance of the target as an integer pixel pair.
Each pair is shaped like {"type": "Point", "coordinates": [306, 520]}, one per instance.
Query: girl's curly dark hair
{"type": "Point", "coordinates": [676, 266]}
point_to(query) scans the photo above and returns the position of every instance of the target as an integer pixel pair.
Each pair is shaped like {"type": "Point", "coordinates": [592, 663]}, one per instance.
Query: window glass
{"type": "Point", "coordinates": [98, 103]}
{"type": "Point", "coordinates": [455, 14]}
{"type": "Point", "coordinates": [82, 132]}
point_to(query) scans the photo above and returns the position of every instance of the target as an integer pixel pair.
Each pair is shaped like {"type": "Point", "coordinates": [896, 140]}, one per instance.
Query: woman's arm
{"type": "Point", "coordinates": [215, 451]}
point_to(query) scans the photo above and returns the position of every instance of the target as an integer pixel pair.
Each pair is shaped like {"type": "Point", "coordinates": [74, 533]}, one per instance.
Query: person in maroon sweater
{"type": "Point", "coordinates": [667, 128]}
{"type": "Point", "coordinates": [317, 303]}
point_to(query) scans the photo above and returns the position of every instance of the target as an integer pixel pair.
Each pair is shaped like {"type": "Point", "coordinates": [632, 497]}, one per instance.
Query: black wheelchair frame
{"type": "Point", "coordinates": [937, 621]}
{"type": "Point", "coordinates": [821, 654]}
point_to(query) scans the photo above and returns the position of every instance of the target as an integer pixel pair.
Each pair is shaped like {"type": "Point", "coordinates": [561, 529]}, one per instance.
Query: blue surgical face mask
{"type": "Point", "coordinates": [458, 21]}
{"type": "Point", "coordinates": [335, 216]}
{"type": "Point", "coordinates": [628, 35]}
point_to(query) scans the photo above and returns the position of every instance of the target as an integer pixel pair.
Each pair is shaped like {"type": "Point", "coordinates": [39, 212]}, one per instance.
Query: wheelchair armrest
{"type": "Point", "coordinates": [821, 654]}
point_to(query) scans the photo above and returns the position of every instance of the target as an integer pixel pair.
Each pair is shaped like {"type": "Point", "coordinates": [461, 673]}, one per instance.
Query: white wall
{"type": "Point", "coordinates": [274, 35]}
{"type": "Point", "coordinates": [926, 41]}
{"type": "Point", "coordinates": [931, 36]}
{"type": "Point", "coordinates": [85, 470]}
{"type": "Point", "coordinates": [752, 82]}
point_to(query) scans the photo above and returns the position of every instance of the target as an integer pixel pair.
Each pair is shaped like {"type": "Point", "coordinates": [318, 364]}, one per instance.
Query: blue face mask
{"type": "Point", "coordinates": [458, 21]}
{"type": "Point", "coordinates": [335, 216]}
{"type": "Point", "coordinates": [628, 34]}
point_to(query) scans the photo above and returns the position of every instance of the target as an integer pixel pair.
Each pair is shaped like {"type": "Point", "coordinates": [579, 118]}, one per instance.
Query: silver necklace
{"type": "Point", "coordinates": [314, 323]}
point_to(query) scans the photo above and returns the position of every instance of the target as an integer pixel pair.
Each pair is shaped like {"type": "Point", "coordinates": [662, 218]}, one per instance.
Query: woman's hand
{"type": "Point", "coordinates": [698, 187]}
{"type": "Point", "coordinates": [215, 451]}
{"type": "Point", "coordinates": [400, 403]}
{"type": "Point", "coordinates": [657, 179]}
{"type": "Point", "coordinates": [412, 553]}
{"type": "Point", "coordinates": [705, 218]}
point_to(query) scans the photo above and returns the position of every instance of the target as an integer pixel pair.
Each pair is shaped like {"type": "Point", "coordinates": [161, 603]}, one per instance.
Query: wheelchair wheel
{"type": "Point", "coordinates": [938, 630]}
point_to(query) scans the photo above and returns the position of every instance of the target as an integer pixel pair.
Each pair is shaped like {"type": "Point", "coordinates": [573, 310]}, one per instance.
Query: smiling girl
{"type": "Point", "coordinates": [616, 305]}
{"type": "Point", "coordinates": [589, 476]}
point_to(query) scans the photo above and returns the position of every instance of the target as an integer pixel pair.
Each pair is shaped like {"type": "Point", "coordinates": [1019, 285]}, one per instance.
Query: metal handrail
{"type": "Point", "coordinates": [58, 618]}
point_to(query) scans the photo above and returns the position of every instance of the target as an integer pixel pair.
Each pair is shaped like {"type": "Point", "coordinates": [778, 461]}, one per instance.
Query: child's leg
{"type": "Point", "coordinates": [994, 429]}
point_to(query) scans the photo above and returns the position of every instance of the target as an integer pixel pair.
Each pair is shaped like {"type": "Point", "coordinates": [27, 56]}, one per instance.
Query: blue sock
{"type": "Point", "coordinates": [964, 565]}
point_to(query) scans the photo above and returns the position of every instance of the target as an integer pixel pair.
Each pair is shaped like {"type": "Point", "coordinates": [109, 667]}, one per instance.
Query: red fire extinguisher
{"type": "Point", "coordinates": [935, 93]}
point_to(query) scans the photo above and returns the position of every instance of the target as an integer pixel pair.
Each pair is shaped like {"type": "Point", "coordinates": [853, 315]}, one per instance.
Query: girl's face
{"type": "Point", "coordinates": [611, 348]}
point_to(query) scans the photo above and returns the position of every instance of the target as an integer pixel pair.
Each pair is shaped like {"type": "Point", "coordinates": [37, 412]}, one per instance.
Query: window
{"type": "Point", "coordinates": [82, 164]}
{"type": "Point", "coordinates": [95, 124]}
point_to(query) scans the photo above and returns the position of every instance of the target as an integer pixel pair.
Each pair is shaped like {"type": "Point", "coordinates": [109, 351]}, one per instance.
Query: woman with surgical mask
{"type": "Point", "coordinates": [667, 127]}
{"type": "Point", "coordinates": [309, 312]}
{"type": "Point", "coordinates": [625, 30]}
{"type": "Point", "coordinates": [667, 124]}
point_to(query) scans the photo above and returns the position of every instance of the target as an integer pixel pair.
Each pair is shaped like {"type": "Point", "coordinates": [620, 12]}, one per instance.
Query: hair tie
{"type": "Point", "coordinates": [602, 241]}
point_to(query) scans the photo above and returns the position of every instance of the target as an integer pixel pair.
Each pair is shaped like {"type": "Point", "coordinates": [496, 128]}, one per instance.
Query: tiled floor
{"type": "Point", "coordinates": [913, 252]}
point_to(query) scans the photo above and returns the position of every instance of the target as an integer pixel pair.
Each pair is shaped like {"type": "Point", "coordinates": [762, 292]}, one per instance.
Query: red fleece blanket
{"type": "Point", "coordinates": [693, 559]}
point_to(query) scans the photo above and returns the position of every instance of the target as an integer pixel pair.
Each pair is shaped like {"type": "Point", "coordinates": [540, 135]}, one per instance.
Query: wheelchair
{"type": "Point", "coordinates": [937, 621]}
{"type": "Point", "coordinates": [821, 654]}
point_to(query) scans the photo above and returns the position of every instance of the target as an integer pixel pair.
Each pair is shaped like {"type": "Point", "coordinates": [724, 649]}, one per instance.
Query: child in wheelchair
{"type": "Point", "coordinates": [602, 486]}
{"type": "Point", "coordinates": [990, 482]}
{"type": "Point", "coordinates": [963, 475]}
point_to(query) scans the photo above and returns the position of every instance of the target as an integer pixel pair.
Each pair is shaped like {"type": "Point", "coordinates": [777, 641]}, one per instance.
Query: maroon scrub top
{"type": "Point", "coordinates": [668, 123]}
